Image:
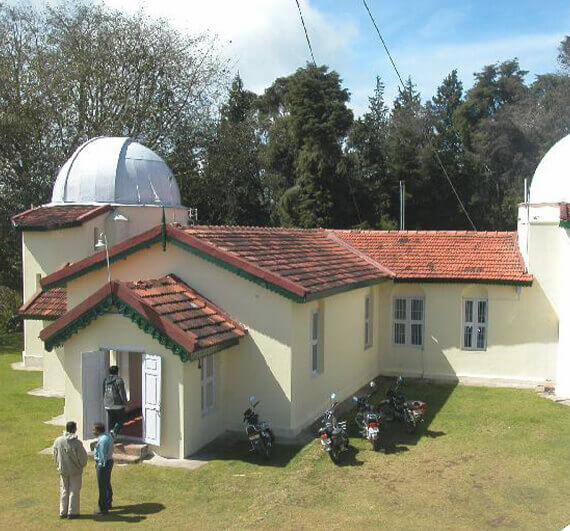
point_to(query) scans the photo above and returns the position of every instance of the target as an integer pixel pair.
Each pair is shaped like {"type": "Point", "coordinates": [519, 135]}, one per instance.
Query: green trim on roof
{"type": "Point", "coordinates": [44, 228]}
{"type": "Point", "coordinates": [564, 223]}
{"type": "Point", "coordinates": [147, 327]}
{"type": "Point", "coordinates": [463, 281]}
{"type": "Point", "coordinates": [238, 271]}
{"type": "Point", "coordinates": [342, 289]}
{"type": "Point", "coordinates": [103, 263]}
{"type": "Point", "coordinates": [81, 322]}
{"type": "Point", "coordinates": [105, 306]}
{"type": "Point", "coordinates": [31, 317]}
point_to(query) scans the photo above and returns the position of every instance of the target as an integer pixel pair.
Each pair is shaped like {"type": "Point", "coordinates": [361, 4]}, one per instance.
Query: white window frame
{"type": "Point", "coordinates": [474, 323]}
{"type": "Point", "coordinates": [204, 381]}
{"type": "Point", "coordinates": [368, 321]}
{"type": "Point", "coordinates": [315, 341]}
{"type": "Point", "coordinates": [407, 320]}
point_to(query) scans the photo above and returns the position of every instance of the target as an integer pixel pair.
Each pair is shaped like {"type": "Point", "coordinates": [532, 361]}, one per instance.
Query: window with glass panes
{"type": "Point", "coordinates": [475, 324]}
{"type": "Point", "coordinates": [367, 321]}
{"type": "Point", "coordinates": [207, 381]}
{"type": "Point", "coordinates": [409, 321]}
{"type": "Point", "coordinates": [315, 334]}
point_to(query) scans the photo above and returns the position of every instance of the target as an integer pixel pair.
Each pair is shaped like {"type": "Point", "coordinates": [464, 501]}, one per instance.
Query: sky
{"type": "Point", "coordinates": [264, 39]}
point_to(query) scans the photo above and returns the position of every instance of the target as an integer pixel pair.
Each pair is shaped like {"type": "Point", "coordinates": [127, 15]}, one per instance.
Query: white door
{"type": "Point", "coordinates": [94, 368]}
{"type": "Point", "coordinates": [151, 398]}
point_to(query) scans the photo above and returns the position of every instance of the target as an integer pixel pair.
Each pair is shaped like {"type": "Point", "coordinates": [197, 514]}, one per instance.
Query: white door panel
{"type": "Point", "coordinates": [151, 398]}
{"type": "Point", "coordinates": [94, 368]}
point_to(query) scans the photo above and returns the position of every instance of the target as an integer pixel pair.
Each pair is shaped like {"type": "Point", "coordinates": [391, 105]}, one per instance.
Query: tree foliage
{"type": "Point", "coordinates": [78, 71]}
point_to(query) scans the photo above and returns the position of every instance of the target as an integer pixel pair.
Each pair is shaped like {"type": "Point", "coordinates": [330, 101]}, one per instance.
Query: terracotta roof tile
{"type": "Point", "coordinates": [312, 259]}
{"type": "Point", "coordinates": [57, 217]}
{"type": "Point", "coordinates": [444, 255]}
{"type": "Point", "coordinates": [48, 305]}
{"type": "Point", "coordinates": [193, 322]}
{"type": "Point", "coordinates": [565, 211]}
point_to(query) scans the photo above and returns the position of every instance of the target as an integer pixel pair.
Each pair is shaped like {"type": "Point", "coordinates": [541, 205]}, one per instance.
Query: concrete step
{"type": "Point", "coordinates": [137, 450]}
{"type": "Point", "coordinates": [125, 459]}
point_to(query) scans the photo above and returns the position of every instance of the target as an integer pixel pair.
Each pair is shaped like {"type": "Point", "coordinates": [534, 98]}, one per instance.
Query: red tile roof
{"type": "Point", "coordinates": [303, 261]}
{"type": "Point", "coordinates": [57, 217]}
{"type": "Point", "coordinates": [444, 255]}
{"type": "Point", "coordinates": [165, 307]}
{"type": "Point", "coordinates": [297, 262]}
{"type": "Point", "coordinates": [47, 305]}
{"type": "Point", "coordinates": [313, 263]}
{"type": "Point", "coordinates": [565, 211]}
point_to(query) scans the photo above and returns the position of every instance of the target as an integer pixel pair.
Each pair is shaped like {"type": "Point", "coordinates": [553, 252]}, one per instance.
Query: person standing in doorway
{"type": "Point", "coordinates": [70, 459]}
{"type": "Point", "coordinates": [103, 455]}
{"type": "Point", "coordinates": [114, 397]}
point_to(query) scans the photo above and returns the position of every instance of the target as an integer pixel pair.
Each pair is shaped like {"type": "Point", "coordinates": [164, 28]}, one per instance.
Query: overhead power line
{"type": "Point", "coordinates": [306, 33]}
{"type": "Point", "coordinates": [437, 157]}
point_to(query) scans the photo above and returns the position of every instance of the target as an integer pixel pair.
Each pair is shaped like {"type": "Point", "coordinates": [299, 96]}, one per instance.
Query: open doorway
{"type": "Point", "coordinates": [130, 370]}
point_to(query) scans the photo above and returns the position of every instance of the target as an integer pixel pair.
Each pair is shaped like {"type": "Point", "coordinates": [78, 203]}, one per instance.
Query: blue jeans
{"type": "Point", "coordinates": [105, 489]}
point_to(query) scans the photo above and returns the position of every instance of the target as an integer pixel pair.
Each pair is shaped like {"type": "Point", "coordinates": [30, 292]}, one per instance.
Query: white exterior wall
{"type": "Point", "coordinates": [259, 365]}
{"type": "Point", "coordinates": [522, 334]}
{"type": "Point", "coordinates": [549, 256]}
{"type": "Point", "coordinates": [44, 251]}
{"type": "Point", "coordinates": [119, 332]}
{"type": "Point", "coordinates": [348, 365]}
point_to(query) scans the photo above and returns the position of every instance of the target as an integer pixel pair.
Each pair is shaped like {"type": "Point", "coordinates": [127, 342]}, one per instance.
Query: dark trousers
{"type": "Point", "coordinates": [115, 416]}
{"type": "Point", "coordinates": [105, 489]}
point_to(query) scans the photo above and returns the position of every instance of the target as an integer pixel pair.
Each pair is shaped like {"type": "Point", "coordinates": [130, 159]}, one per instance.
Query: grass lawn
{"type": "Point", "coordinates": [489, 458]}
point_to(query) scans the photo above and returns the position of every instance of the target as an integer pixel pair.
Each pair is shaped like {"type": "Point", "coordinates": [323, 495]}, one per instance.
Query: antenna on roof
{"type": "Point", "coordinates": [402, 205]}
{"type": "Point", "coordinates": [193, 215]}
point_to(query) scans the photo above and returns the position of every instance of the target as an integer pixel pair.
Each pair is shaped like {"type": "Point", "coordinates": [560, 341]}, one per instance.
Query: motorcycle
{"type": "Point", "coordinates": [367, 419]}
{"type": "Point", "coordinates": [410, 412]}
{"type": "Point", "coordinates": [333, 433]}
{"type": "Point", "coordinates": [258, 432]}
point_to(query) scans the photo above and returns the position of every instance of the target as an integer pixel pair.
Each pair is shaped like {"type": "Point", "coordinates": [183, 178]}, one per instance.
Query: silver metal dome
{"type": "Point", "coordinates": [115, 170]}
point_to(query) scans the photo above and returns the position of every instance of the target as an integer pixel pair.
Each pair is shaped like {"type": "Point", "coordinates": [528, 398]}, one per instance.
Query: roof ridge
{"type": "Point", "coordinates": [367, 258]}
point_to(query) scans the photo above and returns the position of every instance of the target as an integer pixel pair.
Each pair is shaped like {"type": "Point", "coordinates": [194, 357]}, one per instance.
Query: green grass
{"type": "Point", "coordinates": [488, 458]}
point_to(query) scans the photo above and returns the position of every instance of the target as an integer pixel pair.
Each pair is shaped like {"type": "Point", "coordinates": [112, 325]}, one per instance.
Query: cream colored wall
{"type": "Point", "coordinates": [347, 363]}
{"type": "Point", "coordinates": [44, 251]}
{"type": "Point", "coordinates": [563, 357]}
{"type": "Point", "coordinates": [54, 373]}
{"type": "Point", "coordinates": [116, 330]}
{"type": "Point", "coordinates": [260, 365]}
{"type": "Point", "coordinates": [522, 335]}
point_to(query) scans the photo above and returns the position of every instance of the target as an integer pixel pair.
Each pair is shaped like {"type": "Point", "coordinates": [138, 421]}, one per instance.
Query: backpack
{"type": "Point", "coordinates": [111, 396]}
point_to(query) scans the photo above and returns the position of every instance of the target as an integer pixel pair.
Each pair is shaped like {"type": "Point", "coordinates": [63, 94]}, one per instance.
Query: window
{"type": "Point", "coordinates": [367, 321]}
{"type": "Point", "coordinates": [316, 341]}
{"type": "Point", "coordinates": [409, 321]}
{"type": "Point", "coordinates": [207, 382]}
{"type": "Point", "coordinates": [475, 324]}
{"type": "Point", "coordinates": [38, 281]}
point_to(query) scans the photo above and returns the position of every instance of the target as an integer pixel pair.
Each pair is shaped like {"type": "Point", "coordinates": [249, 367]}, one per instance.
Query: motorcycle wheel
{"type": "Point", "coordinates": [387, 412]}
{"type": "Point", "coordinates": [375, 445]}
{"type": "Point", "coordinates": [265, 450]}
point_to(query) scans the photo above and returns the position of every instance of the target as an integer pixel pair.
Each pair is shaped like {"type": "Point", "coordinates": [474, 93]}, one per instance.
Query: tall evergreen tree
{"type": "Point", "coordinates": [309, 110]}
{"type": "Point", "coordinates": [231, 190]}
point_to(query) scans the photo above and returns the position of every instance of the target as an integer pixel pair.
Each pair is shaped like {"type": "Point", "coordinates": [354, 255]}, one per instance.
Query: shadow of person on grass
{"type": "Point", "coordinates": [127, 513]}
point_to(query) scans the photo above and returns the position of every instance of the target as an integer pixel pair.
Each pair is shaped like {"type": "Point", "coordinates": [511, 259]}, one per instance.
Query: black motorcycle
{"type": "Point", "coordinates": [410, 412]}
{"type": "Point", "coordinates": [258, 432]}
{"type": "Point", "coordinates": [334, 439]}
{"type": "Point", "coordinates": [368, 419]}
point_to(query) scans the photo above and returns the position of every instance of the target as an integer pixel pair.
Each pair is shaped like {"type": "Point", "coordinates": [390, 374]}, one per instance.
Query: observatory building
{"type": "Point", "coordinates": [200, 317]}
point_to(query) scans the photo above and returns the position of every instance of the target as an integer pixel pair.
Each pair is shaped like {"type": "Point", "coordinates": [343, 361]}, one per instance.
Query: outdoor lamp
{"type": "Point", "coordinates": [102, 244]}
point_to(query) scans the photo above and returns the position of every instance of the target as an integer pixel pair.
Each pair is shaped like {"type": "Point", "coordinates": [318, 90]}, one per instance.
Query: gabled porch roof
{"type": "Point", "coordinates": [167, 308]}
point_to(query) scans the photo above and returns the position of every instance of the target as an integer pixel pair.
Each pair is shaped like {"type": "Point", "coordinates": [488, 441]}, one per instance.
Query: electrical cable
{"type": "Point", "coordinates": [306, 32]}
{"type": "Point", "coordinates": [437, 157]}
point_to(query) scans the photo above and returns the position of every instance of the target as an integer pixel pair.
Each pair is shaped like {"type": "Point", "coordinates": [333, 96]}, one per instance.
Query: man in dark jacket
{"type": "Point", "coordinates": [114, 397]}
